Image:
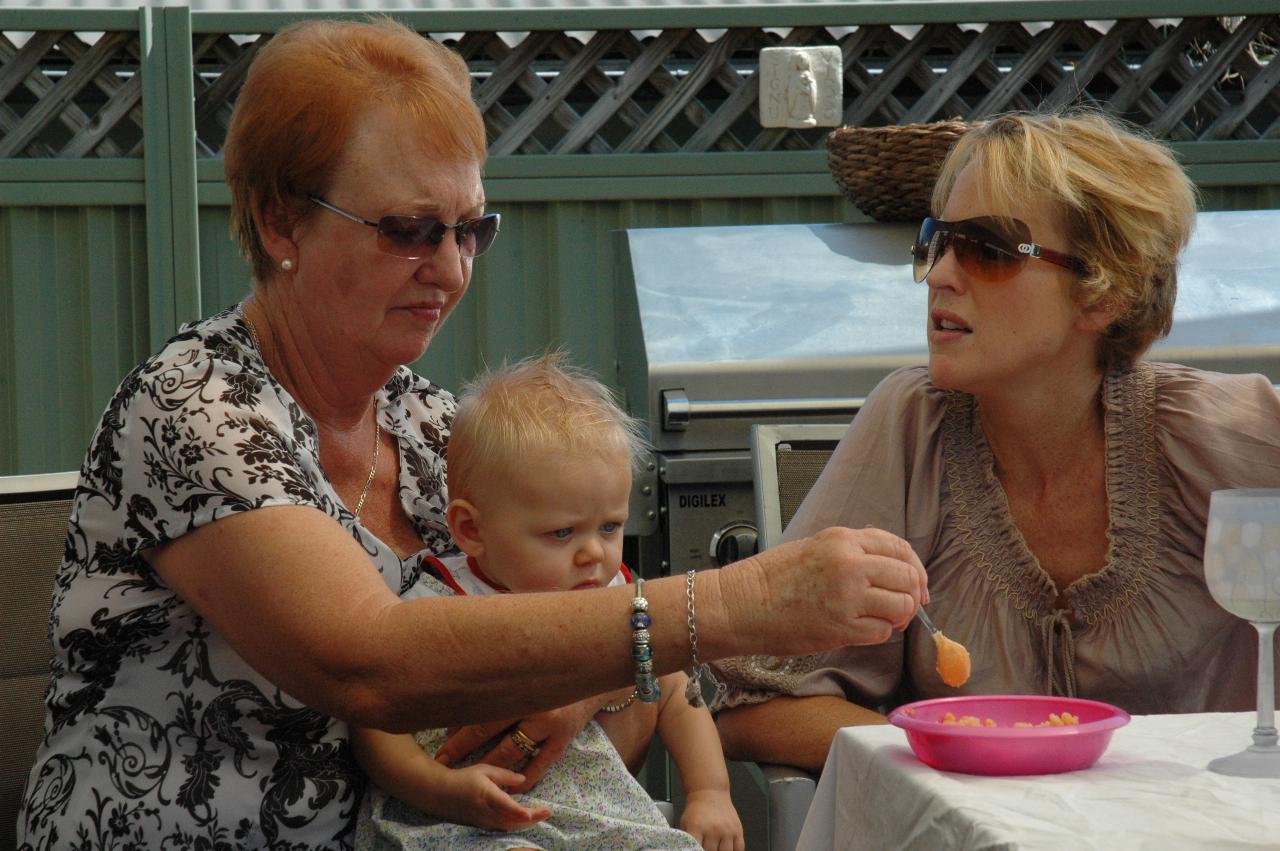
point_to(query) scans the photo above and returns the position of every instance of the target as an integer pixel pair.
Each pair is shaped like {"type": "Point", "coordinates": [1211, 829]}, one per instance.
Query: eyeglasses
{"type": "Point", "coordinates": [416, 237]}
{"type": "Point", "coordinates": [991, 248]}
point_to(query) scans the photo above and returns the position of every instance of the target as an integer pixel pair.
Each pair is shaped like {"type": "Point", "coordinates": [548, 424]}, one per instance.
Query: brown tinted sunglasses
{"type": "Point", "coordinates": [990, 248]}
{"type": "Point", "coordinates": [416, 237]}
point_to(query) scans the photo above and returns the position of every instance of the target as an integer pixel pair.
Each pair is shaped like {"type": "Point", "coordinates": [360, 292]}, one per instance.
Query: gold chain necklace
{"type": "Point", "coordinates": [377, 427]}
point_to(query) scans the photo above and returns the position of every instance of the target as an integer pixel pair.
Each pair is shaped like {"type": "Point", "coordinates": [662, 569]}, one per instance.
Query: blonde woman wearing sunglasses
{"type": "Point", "coordinates": [1055, 487]}
{"type": "Point", "coordinates": [261, 490]}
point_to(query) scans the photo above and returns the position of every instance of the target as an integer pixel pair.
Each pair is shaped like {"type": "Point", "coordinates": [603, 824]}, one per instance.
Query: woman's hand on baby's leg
{"type": "Point", "coordinates": [551, 733]}
{"type": "Point", "coordinates": [710, 818]}
{"type": "Point", "coordinates": [477, 795]}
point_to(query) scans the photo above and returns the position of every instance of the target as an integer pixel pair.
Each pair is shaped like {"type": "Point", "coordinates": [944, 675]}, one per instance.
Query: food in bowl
{"type": "Point", "coordinates": [1054, 720]}
{"type": "Point", "coordinates": [1004, 747]}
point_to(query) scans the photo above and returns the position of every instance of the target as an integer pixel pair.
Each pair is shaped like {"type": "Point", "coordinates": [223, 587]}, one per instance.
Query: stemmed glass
{"type": "Point", "coordinates": [1242, 569]}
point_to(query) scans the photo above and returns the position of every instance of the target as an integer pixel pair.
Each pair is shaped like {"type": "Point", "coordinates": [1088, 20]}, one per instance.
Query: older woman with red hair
{"type": "Point", "coordinates": [260, 492]}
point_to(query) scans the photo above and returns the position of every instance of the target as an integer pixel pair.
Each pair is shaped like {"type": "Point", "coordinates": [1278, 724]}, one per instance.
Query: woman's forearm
{"type": "Point", "coordinates": [295, 595]}
{"type": "Point", "coordinates": [527, 652]}
{"type": "Point", "coordinates": [790, 730]}
{"type": "Point", "coordinates": [297, 598]}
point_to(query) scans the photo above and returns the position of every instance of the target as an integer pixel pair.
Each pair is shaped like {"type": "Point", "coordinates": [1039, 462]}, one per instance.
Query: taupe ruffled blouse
{"type": "Point", "coordinates": [1146, 635]}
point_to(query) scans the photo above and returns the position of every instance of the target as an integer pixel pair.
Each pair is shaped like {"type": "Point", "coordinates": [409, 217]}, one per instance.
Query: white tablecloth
{"type": "Point", "coordinates": [1150, 790]}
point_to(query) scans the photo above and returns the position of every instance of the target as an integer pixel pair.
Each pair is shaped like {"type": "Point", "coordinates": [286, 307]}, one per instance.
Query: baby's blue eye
{"type": "Point", "coordinates": [562, 534]}
{"type": "Point", "coordinates": [610, 528]}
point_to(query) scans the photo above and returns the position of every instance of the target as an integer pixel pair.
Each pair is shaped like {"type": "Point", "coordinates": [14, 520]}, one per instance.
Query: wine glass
{"type": "Point", "coordinates": [1242, 570]}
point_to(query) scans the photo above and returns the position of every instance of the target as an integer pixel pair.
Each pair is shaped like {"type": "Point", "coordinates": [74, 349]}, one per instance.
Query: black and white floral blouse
{"type": "Point", "coordinates": [157, 734]}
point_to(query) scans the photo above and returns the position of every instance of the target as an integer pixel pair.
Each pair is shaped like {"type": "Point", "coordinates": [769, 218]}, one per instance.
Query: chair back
{"type": "Point", "coordinates": [33, 529]}
{"type": "Point", "coordinates": [786, 460]}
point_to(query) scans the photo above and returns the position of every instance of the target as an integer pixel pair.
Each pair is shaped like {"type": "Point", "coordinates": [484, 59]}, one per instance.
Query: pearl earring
{"type": "Point", "coordinates": [286, 264]}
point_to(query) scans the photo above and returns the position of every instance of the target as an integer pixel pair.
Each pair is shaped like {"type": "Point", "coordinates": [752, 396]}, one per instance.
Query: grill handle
{"type": "Point", "coordinates": [678, 411]}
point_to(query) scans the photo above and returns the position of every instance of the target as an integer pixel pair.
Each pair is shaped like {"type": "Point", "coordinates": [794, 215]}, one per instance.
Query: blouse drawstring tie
{"type": "Point", "coordinates": [1055, 630]}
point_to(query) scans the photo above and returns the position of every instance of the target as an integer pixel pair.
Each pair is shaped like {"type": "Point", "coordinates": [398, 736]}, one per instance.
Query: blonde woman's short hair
{"type": "Point", "coordinates": [1127, 208]}
{"type": "Point", "coordinates": [535, 406]}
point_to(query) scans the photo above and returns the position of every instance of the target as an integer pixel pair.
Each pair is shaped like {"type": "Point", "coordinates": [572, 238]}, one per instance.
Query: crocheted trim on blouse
{"type": "Point", "coordinates": [755, 679]}
{"type": "Point", "coordinates": [985, 523]}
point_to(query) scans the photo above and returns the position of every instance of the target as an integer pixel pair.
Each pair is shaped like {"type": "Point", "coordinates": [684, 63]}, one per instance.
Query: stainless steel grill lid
{"type": "Point", "coordinates": [764, 321]}
{"type": "Point", "coordinates": [1228, 308]}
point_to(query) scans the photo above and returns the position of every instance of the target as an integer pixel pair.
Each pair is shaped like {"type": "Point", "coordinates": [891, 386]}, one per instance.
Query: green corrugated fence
{"type": "Point", "coordinates": [110, 236]}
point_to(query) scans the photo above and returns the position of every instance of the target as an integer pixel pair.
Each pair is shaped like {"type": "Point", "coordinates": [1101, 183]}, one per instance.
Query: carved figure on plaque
{"type": "Point", "coordinates": [802, 94]}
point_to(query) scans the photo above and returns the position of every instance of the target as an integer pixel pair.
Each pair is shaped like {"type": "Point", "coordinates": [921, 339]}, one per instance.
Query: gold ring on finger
{"type": "Point", "coordinates": [524, 743]}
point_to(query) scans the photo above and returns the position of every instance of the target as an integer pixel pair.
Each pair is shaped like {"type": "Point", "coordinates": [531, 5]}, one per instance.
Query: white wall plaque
{"type": "Point", "coordinates": [801, 86]}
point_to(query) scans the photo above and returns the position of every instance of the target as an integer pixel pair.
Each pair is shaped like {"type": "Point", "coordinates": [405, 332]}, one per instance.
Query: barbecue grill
{"type": "Point", "coordinates": [797, 323]}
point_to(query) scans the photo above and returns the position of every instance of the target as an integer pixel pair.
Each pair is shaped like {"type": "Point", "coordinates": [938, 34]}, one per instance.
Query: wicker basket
{"type": "Point", "coordinates": [889, 172]}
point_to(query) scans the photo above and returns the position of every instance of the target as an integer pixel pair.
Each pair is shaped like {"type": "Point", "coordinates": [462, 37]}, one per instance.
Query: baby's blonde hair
{"type": "Point", "coordinates": [535, 406]}
{"type": "Point", "coordinates": [1127, 207]}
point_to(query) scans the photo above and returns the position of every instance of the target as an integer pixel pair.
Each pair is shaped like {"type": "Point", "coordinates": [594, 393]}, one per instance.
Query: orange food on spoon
{"type": "Point", "coordinates": [953, 660]}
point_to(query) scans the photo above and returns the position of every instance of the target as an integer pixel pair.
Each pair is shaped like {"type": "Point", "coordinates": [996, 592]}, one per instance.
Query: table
{"type": "Point", "coordinates": [1150, 790]}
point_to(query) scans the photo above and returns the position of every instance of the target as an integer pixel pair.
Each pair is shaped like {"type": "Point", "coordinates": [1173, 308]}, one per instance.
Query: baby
{"type": "Point", "coordinates": [540, 461]}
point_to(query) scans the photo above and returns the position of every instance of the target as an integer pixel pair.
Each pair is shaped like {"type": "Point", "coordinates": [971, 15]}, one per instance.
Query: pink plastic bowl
{"type": "Point", "coordinates": [1005, 749]}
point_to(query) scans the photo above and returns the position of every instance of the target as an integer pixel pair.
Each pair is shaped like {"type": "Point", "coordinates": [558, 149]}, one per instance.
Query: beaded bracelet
{"type": "Point", "coordinates": [641, 652]}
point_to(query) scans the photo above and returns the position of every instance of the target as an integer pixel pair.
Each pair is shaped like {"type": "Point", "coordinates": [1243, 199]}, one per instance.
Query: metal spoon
{"type": "Point", "coordinates": [929, 624]}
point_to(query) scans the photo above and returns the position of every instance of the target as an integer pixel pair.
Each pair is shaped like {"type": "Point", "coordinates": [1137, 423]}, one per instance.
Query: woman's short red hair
{"type": "Point", "coordinates": [303, 93]}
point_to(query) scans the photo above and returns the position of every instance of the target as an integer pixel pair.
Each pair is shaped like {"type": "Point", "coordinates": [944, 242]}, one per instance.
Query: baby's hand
{"type": "Point", "coordinates": [710, 818]}
{"type": "Point", "coordinates": [477, 795]}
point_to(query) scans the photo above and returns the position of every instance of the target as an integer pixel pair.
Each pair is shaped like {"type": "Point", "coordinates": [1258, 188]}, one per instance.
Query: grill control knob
{"type": "Point", "coordinates": [733, 541]}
